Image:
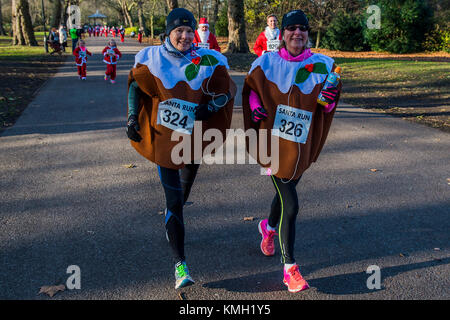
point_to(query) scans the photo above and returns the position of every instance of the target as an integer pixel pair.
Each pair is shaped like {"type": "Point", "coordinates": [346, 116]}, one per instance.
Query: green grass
{"type": "Point", "coordinates": [388, 72]}
{"type": "Point", "coordinates": [8, 51]}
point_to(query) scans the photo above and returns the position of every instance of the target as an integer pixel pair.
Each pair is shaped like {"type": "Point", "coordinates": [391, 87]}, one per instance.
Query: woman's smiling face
{"type": "Point", "coordinates": [295, 40]}
{"type": "Point", "coordinates": [182, 38]}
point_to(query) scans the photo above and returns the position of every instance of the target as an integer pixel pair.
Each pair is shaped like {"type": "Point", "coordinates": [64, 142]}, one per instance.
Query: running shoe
{"type": "Point", "coordinates": [106, 78]}
{"type": "Point", "coordinates": [294, 280]}
{"type": "Point", "coordinates": [113, 81]}
{"type": "Point", "coordinates": [267, 244]}
{"type": "Point", "coordinates": [83, 78]}
{"type": "Point", "coordinates": [182, 277]}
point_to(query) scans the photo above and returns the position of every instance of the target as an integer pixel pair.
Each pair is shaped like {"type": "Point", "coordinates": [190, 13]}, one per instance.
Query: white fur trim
{"type": "Point", "coordinates": [170, 70]}
{"type": "Point", "coordinates": [282, 72]}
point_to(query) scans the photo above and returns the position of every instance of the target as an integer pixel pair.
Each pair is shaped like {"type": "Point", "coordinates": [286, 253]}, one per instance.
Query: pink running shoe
{"type": "Point", "coordinates": [106, 78]}
{"type": "Point", "coordinates": [113, 81]}
{"type": "Point", "coordinates": [294, 280]}
{"type": "Point", "coordinates": [267, 245]}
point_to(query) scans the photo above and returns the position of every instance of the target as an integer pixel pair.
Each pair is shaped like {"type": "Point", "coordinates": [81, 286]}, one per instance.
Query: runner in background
{"type": "Point", "coordinates": [269, 39]}
{"type": "Point", "coordinates": [111, 55]}
{"type": "Point", "coordinates": [140, 35]}
{"type": "Point", "coordinates": [74, 36]}
{"type": "Point", "coordinates": [171, 86]}
{"type": "Point", "coordinates": [81, 53]}
{"type": "Point", "coordinates": [204, 38]}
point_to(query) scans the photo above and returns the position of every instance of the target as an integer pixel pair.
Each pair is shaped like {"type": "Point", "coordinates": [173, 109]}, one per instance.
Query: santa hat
{"type": "Point", "coordinates": [203, 22]}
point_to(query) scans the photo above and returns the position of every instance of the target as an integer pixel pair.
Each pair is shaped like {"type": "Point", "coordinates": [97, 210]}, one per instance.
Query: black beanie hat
{"type": "Point", "coordinates": [180, 17]}
{"type": "Point", "coordinates": [294, 17]}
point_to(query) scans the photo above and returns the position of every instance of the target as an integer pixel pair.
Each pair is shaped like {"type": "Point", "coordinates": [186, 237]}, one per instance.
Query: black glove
{"type": "Point", "coordinates": [259, 114]}
{"type": "Point", "coordinates": [203, 112]}
{"type": "Point", "coordinates": [133, 128]}
{"type": "Point", "coordinates": [206, 110]}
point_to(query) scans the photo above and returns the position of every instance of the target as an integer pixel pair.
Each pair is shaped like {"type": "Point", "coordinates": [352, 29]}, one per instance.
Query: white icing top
{"type": "Point", "coordinates": [283, 72]}
{"type": "Point", "coordinates": [171, 70]}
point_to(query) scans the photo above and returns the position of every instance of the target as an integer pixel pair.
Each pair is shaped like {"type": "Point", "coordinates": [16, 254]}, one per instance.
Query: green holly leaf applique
{"type": "Point", "coordinates": [191, 71]}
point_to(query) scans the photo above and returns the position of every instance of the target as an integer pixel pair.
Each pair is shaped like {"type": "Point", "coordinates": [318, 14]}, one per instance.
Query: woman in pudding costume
{"type": "Point", "coordinates": [280, 95]}
{"type": "Point", "coordinates": [171, 86]}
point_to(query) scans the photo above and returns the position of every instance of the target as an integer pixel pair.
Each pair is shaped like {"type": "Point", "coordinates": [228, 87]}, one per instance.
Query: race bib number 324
{"type": "Point", "coordinates": [292, 124]}
{"type": "Point", "coordinates": [177, 115]}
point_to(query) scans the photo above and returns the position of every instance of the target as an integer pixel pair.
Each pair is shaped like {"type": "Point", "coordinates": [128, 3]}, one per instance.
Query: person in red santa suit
{"type": "Point", "coordinates": [81, 53]}
{"type": "Point", "coordinates": [122, 34]}
{"type": "Point", "coordinates": [204, 38]}
{"type": "Point", "coordinates": [140, 35]}
{"type": "Point", "coordinates": [111, 55]}
{"type": "Point", "coordinates": [270, 39]}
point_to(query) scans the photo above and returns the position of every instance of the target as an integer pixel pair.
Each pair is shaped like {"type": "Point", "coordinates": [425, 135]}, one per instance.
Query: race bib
{"type": "Point", "coordinates": [292, 124]}
{"type": "Point", "coordinates": [203, 45]}
{"type": "Point", "coordinates": [177, 115]}
{"type": "Point", "coordinates": [272, 45]}
{"type": "Point", "coordinates": [82, 54]}
{"type": "Point", "coordinates": [111, 51]}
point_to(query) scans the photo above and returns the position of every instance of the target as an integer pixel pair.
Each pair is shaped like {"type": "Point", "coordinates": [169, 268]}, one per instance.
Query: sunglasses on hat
{"type": "Point", "coordinates": [295, 27]}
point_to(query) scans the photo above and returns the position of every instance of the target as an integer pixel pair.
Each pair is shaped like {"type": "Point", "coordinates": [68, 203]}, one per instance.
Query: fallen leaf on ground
{"type": "Point", "coordinates": [182, 296]}
{"type": "Point", "coordinates": [374, 170]}
{"type": "Point", "coordinates": [52, 290]}
{"type": "Point", "coordinates": [129, 166]}
{"type": "Point", "coordinates": [249, 218]}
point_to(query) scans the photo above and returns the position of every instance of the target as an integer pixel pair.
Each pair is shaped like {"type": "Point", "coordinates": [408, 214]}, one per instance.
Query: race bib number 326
{"type": "Point", "coordinates": [177, 115]}
{"type": "Point", "coordinates": [292, 124]}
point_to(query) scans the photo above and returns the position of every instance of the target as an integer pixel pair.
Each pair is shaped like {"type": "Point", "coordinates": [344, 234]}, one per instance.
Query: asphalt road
{"type": "Point", "coordinates": [68, 198]}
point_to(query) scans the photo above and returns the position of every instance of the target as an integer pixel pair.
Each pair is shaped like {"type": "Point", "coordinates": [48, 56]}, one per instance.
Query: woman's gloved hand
{"type": "Point", "coordinates": [133, 128]}
{"type": "Point", "coordinates": [330, 94]}
{"type": "Point", "coordinates": [203, 112]}
{"type": "Point", "coordinates": [259, 114]}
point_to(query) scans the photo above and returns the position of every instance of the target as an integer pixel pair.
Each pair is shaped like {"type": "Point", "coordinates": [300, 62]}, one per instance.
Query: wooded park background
{"type": "Point", "coordinates": [405, 25]}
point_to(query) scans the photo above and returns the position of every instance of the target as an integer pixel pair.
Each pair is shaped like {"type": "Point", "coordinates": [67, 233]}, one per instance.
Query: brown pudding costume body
{"type": "Point", "coordinates": [271, 97]}
{"type": "Point", "coordinates": [279, 98]}
{"type": "Point", "coordinates": [156, 144]}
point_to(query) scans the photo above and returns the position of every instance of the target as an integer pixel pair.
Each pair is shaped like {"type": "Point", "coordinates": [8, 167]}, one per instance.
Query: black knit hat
{"type": "Point", "coordinates": [294, 17]}
{"type": "Point", "coordinates": [180, 17]}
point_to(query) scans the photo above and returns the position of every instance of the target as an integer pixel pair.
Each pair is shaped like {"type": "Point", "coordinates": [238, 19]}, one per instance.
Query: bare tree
{"type": "Point", "coordinates": [57, 8]}
{"type": "Point", "coordinates": [215, 14]}
{"type": "Point", "coordinates": [23, 33]}
{"type": "Point", "coordinates": [237, 39]}
{"type": "Point", "coordinates": [142, 24]}
{"type": "Point", "coordinates": [2, 30]}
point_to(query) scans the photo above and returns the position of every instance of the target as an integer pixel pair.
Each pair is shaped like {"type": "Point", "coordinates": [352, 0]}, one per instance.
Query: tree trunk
{"type": "Point", "coordinates": [172, 4]}
{"type": "Point", "coordinates": [56, 14]}
{"type": "Point", "coordinates": [23, 33]}
{"type": "Point", "coordinates": [141, 17]}
{"type": "Point", "coordinates": [319, 30]}
{"type": "Point", "coordinates": [126, 13]}
{"type": "Point", "coordinates": [237, 39]}
{"type": "Point", "coordinates": [2, 30]}
{"type": "Point", "coordinates": [212, 23]}
{"type": "Point", "coordinates": [199, 9]}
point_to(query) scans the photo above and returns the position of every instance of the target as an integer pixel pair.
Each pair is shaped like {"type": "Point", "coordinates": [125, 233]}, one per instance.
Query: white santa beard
{"type": "Point", "coordinates": [204, 35]}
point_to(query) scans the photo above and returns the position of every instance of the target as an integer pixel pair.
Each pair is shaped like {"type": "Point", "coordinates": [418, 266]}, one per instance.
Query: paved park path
{"type": "Point", "coordinates": [68, 198]}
